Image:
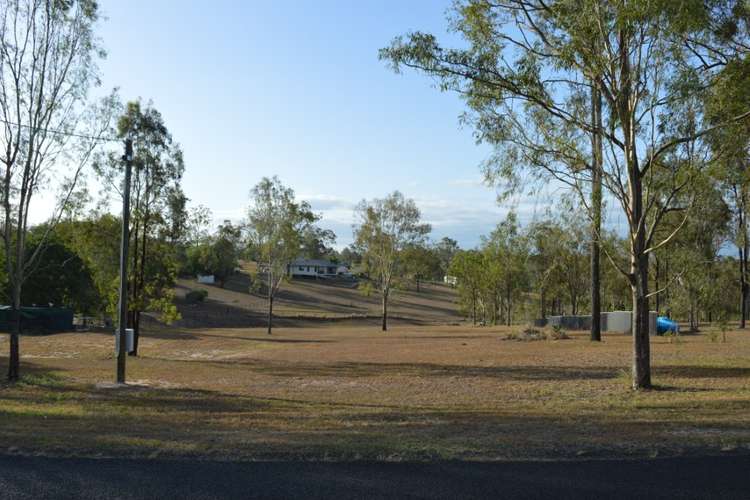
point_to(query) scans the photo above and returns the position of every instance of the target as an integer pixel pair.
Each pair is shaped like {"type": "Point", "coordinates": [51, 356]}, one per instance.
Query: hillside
{"type": "Point", "coordinates": [306, 300]}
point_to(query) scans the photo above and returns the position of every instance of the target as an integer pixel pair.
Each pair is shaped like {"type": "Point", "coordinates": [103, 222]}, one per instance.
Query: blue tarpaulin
{"type": "Point", "coordinates": [664, 325]}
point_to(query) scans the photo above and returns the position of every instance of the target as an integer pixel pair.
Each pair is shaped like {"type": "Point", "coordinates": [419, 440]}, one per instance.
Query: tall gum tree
{"type": "Point", "coordinates": [386, 228]}
{"type": "Point", "coordinates": [526, 72]}
{"type": "Point", "coordinates": [157, 174]}
{"type": "Point", "coordinates": [277, 225]}
{"type": "Point", "coordinates": [48, 128]}
{"type": "Point", "coordinates": [732, 170]}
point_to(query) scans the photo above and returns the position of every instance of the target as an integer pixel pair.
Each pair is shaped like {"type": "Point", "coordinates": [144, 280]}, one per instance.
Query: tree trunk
{"type": "Point", "coordinates": [384, 326]}
{"type": "Point", "coordinates": [693, 316]}
{"type": "Point", "coordinates": [474, 309]}
{"type": "Point", "coordinates": [14, 361]}
{"type": "Point", "coordinates": [136, 330]}
{"type": "Point", "coordinates": [495, 308]}
{"type": "Point", "coordinates": [509, 305]}
{"type": "Point", "coordinates": [596, 219]}
{"type": "Point", "coordinates": [638, 276]}
{"type": "Point", "coordinates": [639, 288]}
{"type": "Point", "coordinates": [744, 285]}
{"type": "Point", "coordinates": [641, 345]}
{"type": "Point", "coordinates": [657, 284]}
{"type": "Point", "coordinates": [417, 284]}
{"type": "Point", "coordinates": [270, 313]}
{"type": "Point", "coordinates": [542, 304]}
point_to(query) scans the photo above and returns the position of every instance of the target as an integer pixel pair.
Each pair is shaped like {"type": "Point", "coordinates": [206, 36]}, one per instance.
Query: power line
{"type": "Point", "coordinates": [60, 132]}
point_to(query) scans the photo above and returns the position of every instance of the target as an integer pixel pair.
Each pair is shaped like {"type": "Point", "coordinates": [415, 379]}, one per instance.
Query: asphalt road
{"type": "Point", "coordinates": [723, 477]}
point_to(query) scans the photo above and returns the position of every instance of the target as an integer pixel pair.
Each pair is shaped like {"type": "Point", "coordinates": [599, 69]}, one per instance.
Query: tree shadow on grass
{"type": "Point", "coordinates": [356, 370]}
{"type": "Point", "coordinates": [138, 420]}
{"type": "Point", "coordinates": [267, 338]}
{"type": "Point", "coordinates": [696, 371]}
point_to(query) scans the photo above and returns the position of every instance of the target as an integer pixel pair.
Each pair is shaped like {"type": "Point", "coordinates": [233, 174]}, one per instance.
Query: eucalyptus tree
{"type": "Point", "coordinates": [690, 259]}
{"type": "Point", "coordinates": [469, 269]}
{"type": "Point", "coordinates": [276, 223]}
{"type": "Point", "coordinates": [217, 255]}
{"type": "Point", "coordinates": [49, 129]}
{"type": "Point", "coordinates": [386, 227]}
{"type": "Point", "coordinates": [446, 248]}
{"type": "Point", "coordinates": [158, 167]}
{"type": "Point", "coordinates": [526, 73]}
{"type": "Point", "coordinates": [506, 268]}
{"type": "Point", "coordinates": [421, 262]}
{"type": "Point", "coordinates": [732, 170]}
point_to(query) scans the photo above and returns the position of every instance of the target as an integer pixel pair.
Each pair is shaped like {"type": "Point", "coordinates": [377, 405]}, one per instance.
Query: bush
{"type": "Point", "coordinates": [558, 333]}
{"type": "Point", "coordinates": [195, 296]}
{"type": "Point", "coordinates": [532, 334]}
{"type": "Point", "coordinates": [529, 334]}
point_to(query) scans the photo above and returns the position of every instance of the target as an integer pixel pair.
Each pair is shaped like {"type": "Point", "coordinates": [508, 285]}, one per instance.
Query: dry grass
{"type": "Point", "coordinates": [233, 307]}
{"type": "Point", "coordinates": [348, 391]}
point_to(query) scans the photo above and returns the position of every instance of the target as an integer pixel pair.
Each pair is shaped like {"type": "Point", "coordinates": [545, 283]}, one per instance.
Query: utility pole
{"type": "Point", "coordinates": [122, 307]}
{"type": "Point", "coordinates": [597, 164]}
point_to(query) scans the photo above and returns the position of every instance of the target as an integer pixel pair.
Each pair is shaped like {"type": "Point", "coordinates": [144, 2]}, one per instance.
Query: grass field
{"type": "Point", "coordinates": [348, 391]}
{"type": "Point", "coordinates": [232, 306]}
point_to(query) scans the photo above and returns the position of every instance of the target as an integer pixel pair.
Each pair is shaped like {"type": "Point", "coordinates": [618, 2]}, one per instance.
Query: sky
{"type": "Point", "coordinates": [295, 89]}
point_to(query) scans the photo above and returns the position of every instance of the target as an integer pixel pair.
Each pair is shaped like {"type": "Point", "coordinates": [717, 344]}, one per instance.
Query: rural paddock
{"type": "Point", "coordinates": [346, 391]}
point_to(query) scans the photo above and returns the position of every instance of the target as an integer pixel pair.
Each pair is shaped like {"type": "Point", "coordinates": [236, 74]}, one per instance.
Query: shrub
{"type": "Point", "coordinates": [558, 333]}
{"type": "Point", "coordinates": [195, 296]}
{"type": "Point", "coordinates": [528, 335]}
{"type": "Point", "coordinates": [723, 327]}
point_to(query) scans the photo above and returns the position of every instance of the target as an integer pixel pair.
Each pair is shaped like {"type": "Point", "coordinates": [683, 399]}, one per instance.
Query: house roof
{"type": "Point", "coordinates": [313, 262]}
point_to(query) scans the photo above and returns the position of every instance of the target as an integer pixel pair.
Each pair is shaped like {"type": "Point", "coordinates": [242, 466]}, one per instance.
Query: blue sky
{"type": "Point", "coordinates": [295, 89]}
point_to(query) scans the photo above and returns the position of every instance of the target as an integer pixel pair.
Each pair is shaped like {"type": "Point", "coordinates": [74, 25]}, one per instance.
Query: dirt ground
{"type": "Point", "coordinates": [347, 391]}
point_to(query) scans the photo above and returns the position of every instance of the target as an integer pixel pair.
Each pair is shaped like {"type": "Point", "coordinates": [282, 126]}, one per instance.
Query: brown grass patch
{"type": "Point", "coordinates": [346, 391]}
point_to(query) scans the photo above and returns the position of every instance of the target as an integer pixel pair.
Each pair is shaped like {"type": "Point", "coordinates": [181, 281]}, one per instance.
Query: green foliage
{"type": "Point", "coordinates": [526, 71]}
{"type": "Point", "coordinates": [558, 333]}
{"type": "Point", "coordinates": [196, 296]}
{"type": "Point", "coordinates": [505, 272]}
{"type": "Point", "coordinates": [60, 277]}
{"type": "Point", "coordinates": [216, 255]}
{"type": "Point", "coordinates": [420, 263]}
{"type": "Point", "coordinates": [468, 268]}
{"type": "Point", "coordinates": [366, 288]}
{"type": "Point", "coordinates": [277, 224]}
{"type": "Point", "coordinates": [317, 243]}
{"type": "Point", "coordinates": [446, 249]}
{"type": "Point", "coordinates": [386, 228]}
{"type": "Point", "coordinates": [350, 255]}
{"type": "Point", "coordinates": [159, 220]}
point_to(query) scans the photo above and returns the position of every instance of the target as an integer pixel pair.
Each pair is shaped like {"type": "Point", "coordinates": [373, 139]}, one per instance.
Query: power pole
{"type": "Point", "coordinates": [122, 307]}
{"type": "Point", "coordinates": [596, 207]}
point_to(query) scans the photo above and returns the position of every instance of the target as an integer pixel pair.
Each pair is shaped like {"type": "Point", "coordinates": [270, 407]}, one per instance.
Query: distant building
{"type": "Point", "coordinates": [207, 279]}
{"type": "Point", "coordinates": [450, 280]}
{"type": "Point", "coordinates": [318, 268]}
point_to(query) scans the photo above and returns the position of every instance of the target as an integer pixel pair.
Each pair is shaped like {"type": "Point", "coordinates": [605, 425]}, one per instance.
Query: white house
{"type": "Point", "coordinates": [207, 279]}
{"type": "Point", "coordinates": [313, 267]}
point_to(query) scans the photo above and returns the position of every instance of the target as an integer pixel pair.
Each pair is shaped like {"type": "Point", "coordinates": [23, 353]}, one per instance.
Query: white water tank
{"type": "Point", "coordinates": [620, 321]}
{"type": "Point", "coordinates": [129, 344]}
